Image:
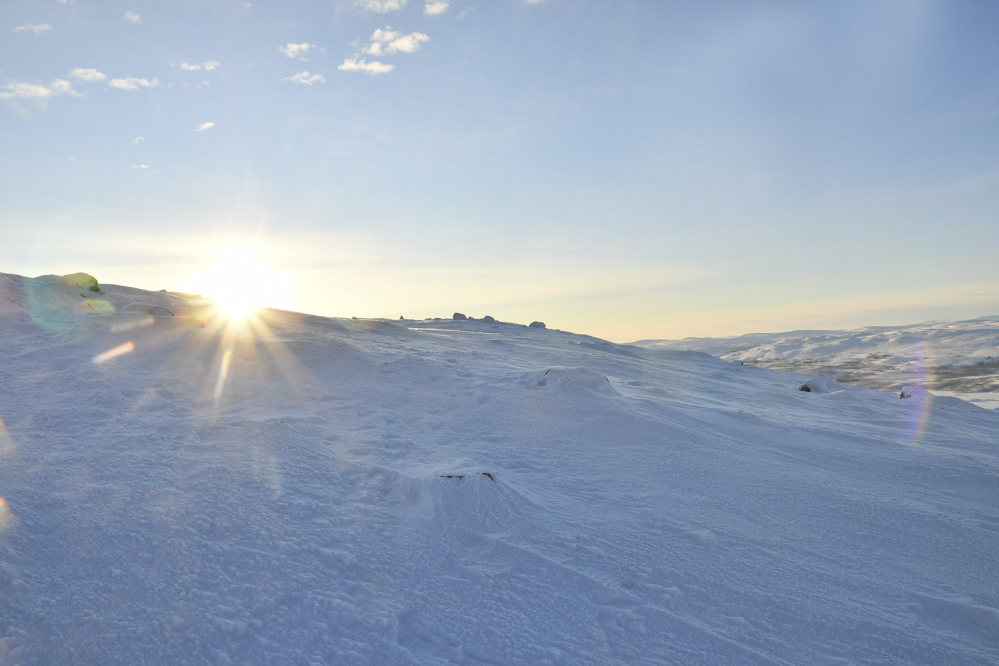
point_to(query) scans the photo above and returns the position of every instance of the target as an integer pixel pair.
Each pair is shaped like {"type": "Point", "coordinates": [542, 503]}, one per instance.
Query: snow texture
{"type": "Point", "coordinates": [314, 490]}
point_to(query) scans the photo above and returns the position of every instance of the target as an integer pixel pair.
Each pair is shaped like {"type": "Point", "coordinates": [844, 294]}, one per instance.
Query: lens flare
{"type": "Point", "coordinates": [223, 373]}
{"type": "Point", "coordinates": [920, 401]}
{"type": "Point", "coordinates": [111, 353]}
{"type": "Point", "coordinates": [7, 518]}
{"type": "Point", "coordinates": [91, 306]}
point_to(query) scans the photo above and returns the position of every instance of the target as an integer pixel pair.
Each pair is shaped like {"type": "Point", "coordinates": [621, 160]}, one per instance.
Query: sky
{"type": "Point", "coordinates": [627, 169]}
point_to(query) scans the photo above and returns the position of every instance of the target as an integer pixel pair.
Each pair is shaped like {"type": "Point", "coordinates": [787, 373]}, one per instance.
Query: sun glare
{"type": "Point", "coordinates": [240, 283]}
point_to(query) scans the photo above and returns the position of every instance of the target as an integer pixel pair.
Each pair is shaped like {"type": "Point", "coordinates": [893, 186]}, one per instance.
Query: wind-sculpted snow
{"type": "Point", "coordinates": [307, 490]}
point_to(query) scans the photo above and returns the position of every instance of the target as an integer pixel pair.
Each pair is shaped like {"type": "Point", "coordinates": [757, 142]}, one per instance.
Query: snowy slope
{"type": "Point", "coordinates": [330, 491]}
{"type": "Point", "coordinates": [954, 358]}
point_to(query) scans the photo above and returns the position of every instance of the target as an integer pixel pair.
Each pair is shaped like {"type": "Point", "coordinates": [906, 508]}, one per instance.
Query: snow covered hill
{"type": "Point", "coordinates": [956, 358]}
{"type": "Point", "coordinates": [314, 490]}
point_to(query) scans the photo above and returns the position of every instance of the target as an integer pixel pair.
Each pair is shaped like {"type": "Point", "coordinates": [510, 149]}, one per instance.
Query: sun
{"type": "Point", "coordinates": [240, 283]}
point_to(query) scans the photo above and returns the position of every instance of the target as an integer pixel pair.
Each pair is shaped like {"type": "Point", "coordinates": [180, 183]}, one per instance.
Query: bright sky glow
{"type": "Point", "coordinates": [240, 283]}
{"type": "Point", "coordinates": [628, 169]}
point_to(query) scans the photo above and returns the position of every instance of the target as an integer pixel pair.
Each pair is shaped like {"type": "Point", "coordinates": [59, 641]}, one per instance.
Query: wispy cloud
{"type": "Point", "coordinates": [88, 75]}
{"type": "Point", "coordinates": [204, 127]}
{"type": "Point", "coordinates": [132, 83]}
{"type": "Point", "coordinates": [380, 6]}
{"type": "Point", "coordinates": [355, 65]}
{"type": "Point", "coordinates": [307, 79]}
{"type": "Point", "coordinates": [297, 50]}
{"type": "Point", "coordinates": [138, 139]}
{"type": "Point", "coordinates": [436, 8]}
{"type": "Point", "coordinates": [27, 90]}
{"type": "Point", "coordinates": [208, 66]}
{"type": "Point", "coordinates": [388, 41]}
{"type": "Point", "coordinates": [140, 166]}
{"type": "Point", "coordinates": [133, 17]}
{"type": "Point", "coordinates": [35, 29]}
{"type": "Point", "coordinates": [463, 13]}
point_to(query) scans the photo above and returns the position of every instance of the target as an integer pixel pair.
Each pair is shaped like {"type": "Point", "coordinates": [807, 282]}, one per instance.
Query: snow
{"type": "Point", "coordinates": [960, 357]}
{"type": "Point", "coordinates": [319, 490]}
{"type": "Point", "coordinates": [986, 400]}
{"type": "Point", "coordinates": [821, 384]}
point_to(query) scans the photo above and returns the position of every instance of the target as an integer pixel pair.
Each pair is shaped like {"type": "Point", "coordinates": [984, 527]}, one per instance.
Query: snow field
{"type": "Point", "coordinates": [290, 494]}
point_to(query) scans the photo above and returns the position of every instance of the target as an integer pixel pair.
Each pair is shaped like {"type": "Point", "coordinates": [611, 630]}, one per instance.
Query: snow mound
{"type": "Point", "coordinates": [82, 281]}
{"type": "Point", "coordinates": [154, 310]}
{"type": "Point", "coordinates": [913, 392]}
{"type": "Point", "coordinates": [562, 376]}
{"type": "Point", "coordinates": [920, 397]}
{"type": "Point", "coordinates": [821, 384]}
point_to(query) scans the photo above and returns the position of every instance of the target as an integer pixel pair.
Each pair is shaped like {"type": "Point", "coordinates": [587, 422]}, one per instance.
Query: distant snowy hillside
{"type": "Point", "coordinates": [950, 358]}
{"type": "Point", "coordinates": [315, 490]}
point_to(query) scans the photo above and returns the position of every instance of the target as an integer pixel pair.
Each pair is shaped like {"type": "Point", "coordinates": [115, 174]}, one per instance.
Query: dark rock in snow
{"type": "Point", "coordinates": [457, 316]}
{"type": "Point", "coordinates": [821, 384]}
{"type": "Point", "coordinates": [537, 324]}
{"type": "Point", "coordinates": [912, 392]}
{"type": "Point", "coordinates": [488, 320]}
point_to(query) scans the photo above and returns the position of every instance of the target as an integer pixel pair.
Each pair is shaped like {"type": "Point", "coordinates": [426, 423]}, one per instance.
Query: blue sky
{"type": "Point", "coordinates": [626, 169]}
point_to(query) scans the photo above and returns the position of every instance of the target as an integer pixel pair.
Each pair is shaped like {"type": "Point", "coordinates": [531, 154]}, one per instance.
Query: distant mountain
{"type": "Point", "coordinates": [958, 356]}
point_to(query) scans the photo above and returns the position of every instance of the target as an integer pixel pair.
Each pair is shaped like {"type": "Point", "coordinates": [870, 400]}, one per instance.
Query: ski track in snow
{"type": "Point", "coordinates": [298, 510]}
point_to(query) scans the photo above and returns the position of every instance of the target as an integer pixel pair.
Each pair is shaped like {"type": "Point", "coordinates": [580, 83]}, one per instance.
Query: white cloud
{"type": "Point", "coordinates": [138, 139]}
{"type": "Point", "coordinates": [140, 166]}
{"type": "Point", "coordinates": [355, 65]}
{"type": "Point", "coordinates": [380, 6]}
{"type": "Point", "coordinates": [307, 79]}
{"type": "Point", "coordinates": [131, 83]}
{"type": "Point", "coordinates": [296, 50]}
{"type": "Point", "coordinates": [88, 75]}
{"type": "Point", "coordinates": [205, 126]}
{"type": "Point", "coordinates": [436, 8]}
{"type": "Point", "coordinates": [388, 41]}
{"type": "Point", "coordinates": [464, 12]}
{"type": "Point", "coordinates": [36, 29]}
{"type": "Point", "coordinates": [208, 66]}
{"type": "Point", "coordinates": [133, 17]}
{"type": "Point", "coordinates": [28, 90]}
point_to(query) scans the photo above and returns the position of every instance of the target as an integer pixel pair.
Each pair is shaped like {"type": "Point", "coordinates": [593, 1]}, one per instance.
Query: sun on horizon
{"type": "Point", "coordinates": [240, 282]}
